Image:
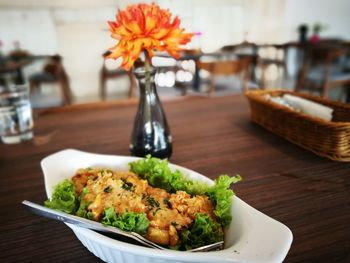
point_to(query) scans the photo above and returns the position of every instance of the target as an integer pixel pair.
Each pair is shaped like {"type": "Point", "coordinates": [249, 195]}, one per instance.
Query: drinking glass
{"type": "Point", "coordinates": [16, 121]}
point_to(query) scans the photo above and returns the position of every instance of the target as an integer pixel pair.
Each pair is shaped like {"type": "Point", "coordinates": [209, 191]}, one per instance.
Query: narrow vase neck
{"type": "Point", "coordinates": [146, 81]}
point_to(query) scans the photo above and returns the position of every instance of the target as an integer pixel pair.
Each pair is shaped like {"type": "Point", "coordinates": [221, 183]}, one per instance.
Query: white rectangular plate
{"type": "Point", "coordinates": [251, 237]}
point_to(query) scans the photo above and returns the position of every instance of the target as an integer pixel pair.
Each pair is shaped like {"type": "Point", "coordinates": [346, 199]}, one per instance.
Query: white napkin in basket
{"type": "Point", "coordinates": [309, 107]}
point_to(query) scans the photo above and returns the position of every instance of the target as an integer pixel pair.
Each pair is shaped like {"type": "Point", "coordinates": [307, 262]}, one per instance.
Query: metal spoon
{"type": "Point", "coordinates": [82, 222]}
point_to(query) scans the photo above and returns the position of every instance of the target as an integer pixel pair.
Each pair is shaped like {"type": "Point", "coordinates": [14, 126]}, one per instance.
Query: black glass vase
{"type": "Point", "coordinates": [151, 134]}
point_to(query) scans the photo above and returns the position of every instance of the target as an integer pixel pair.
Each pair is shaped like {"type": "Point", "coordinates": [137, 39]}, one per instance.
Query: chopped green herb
{"type": "Point", "coordinates": [152, 202]}
{"type": "Point", "coordinates": [108, 189]}
{"type": "Point", "coordinates": [91, 178]}
{"type": "Point", "coordinates": [127, 186]}
{"type": "Point", "coordinates": [155, 211]}
{"type": "Point", "coordinates": [166, 202]}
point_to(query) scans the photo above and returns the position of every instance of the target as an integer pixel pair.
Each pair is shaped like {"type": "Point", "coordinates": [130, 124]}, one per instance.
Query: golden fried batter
{"type": "Point", "coordinates": [126, 191]}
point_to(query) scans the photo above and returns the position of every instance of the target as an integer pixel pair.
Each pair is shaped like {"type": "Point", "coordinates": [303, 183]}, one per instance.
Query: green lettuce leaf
{"type": "Point", "coordinates": [158, 174]}
{"type": "Point", "coordinates": [83, 206]}
{"type": "Point", "coordinates": [129, 221]}
{"type": "Point", "coordinates": [221, 195]}
{"type": "Point", "coordinates": [63, 197]}
{"type": "Point", "coordinates": [203, 231]}
{"type": "Point", "coordinates": [83, 210]}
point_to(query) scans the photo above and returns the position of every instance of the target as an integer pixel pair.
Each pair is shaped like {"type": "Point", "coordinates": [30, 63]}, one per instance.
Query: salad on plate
{"type": "Point", "coordinates": [161, 204]}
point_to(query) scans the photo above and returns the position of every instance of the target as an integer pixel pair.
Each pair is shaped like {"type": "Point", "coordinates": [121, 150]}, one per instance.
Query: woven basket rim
{"type": "Point", "coordinates": [257, 95]}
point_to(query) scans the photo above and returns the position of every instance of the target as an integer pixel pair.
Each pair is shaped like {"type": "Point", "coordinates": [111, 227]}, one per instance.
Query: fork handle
{"type": "Point", "coordinates": [85, 223]}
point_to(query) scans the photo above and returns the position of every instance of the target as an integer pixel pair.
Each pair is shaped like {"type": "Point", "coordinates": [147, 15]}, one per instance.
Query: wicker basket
{"type": "Point", "coordinates": [330, 139]}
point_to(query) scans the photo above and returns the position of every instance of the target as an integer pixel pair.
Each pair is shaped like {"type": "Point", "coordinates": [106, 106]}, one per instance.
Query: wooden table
{"type": "Point", "coordinates": [212, 136]}
{"type": "Point", "coordinates": [15, 64]}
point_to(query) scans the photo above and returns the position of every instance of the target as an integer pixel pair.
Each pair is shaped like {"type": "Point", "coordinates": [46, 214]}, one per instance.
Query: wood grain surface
{"type": "Point", "coordinates": [310, 194]}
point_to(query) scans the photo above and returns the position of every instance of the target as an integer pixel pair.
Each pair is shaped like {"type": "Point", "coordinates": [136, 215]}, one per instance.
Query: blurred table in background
{"type": "Point", "coordinates": [196, 56]}
{"type": "Point", "coordinates": [212, 136]}
{"type": "Point", "coordinates": [13, 65]}
{"type": "Point", "coordinates": [13, 68]}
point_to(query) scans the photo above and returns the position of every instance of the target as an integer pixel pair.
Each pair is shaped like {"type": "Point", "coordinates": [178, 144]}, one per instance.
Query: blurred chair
{"type": "Point", "coordinates": [320, 71]}
{"type": "Point", "coordinates": [107, 74]}
{"type": "Point", "coordinates": [53, 72]}
{"type": "Point", "coordinates": [272, 54]}
{"type": "Point", "coordinates": [233, 67]}
{"type": "Point", "coordinates": [243, 49]}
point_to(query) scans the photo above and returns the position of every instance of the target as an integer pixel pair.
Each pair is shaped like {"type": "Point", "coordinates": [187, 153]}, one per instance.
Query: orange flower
{"type": "Point", "coordinates": [146, 27]}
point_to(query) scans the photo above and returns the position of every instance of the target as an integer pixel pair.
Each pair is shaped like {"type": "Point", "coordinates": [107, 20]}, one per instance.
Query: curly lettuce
{"type": "Point", "coordinates": [129, 221]}
{"type": "Point", "coordinates": [203, 231]}
{"type": "Point", "coordinates": [221, 195]}
{"type": "Point", "coordinates": [83, 210]}
{"type": "Point", "coordinates": [158, 174]}
{"type": "Point", "coordinates": [63, 197]}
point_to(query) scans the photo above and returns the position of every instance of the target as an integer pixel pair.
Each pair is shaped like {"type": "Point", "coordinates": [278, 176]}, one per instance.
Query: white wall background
{"type": "Point", "coordinates": [334, 13]}
{"type": "Point", "coordinates": [78, 31]}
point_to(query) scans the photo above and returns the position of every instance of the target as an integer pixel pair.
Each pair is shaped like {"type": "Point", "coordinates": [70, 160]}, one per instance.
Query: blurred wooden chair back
{"type": "Point", "coordinates": [243, 49]}
{"type": "Point", "coordinates": [320, 71]}
{"type": "Point", "coordinates": [239, 66]}
{"type": "Point", "coordinates": [107, 74]}
{"type": "Point", "coordinates": [53, 72]}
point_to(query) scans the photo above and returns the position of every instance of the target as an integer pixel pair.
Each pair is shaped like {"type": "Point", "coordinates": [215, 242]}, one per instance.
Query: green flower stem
{"type": "Point", "coordinates": [147, 70]}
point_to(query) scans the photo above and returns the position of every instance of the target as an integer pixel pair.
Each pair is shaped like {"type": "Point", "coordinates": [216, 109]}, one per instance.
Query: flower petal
{"type": "Point", "coordinates": [146, 27]}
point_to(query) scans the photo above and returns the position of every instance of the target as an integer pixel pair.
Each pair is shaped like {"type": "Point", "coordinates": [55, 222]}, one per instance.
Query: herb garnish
{"type": "Point", "coordinates": [155, 211]}
{"type": "Point", "coordinates": [166, 202]}
{"type": "Point", "coordinates": [127, 185]}
{"type": "Point", "coordinates": [108, 189]}
{"type": "Point", "coordinates": [152, 202]}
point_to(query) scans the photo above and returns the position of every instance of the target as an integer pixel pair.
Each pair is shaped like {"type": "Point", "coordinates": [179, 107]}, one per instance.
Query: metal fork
{"type": "Point", "coordinates": [82, 222]}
